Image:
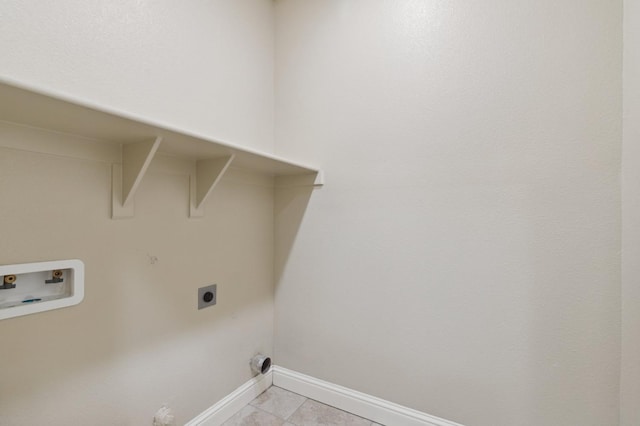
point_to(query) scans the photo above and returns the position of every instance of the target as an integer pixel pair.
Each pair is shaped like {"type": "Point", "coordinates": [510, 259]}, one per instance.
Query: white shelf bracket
{"type": "Point", "coordinates": [315, 180]}
{"type": "Point", "coordinates": [207, 175]}
{"type": "Point", "coordinates": [126, 177]}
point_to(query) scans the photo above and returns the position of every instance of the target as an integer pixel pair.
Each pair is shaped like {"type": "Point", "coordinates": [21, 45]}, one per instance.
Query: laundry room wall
{"type": "Point", "coordinates": [137, 341]}
{"type": "Point", "coordinates": [463, 257]}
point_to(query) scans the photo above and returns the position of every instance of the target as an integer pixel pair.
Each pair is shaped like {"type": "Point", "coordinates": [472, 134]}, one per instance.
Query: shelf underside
{"type": "Point", "coordinates": [61, 114]}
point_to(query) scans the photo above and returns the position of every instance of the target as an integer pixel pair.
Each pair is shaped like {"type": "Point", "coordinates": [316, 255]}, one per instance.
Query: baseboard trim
{"type": "Point", "coordinates": [224, 409]}
{"type": "Point", "coordinates": [358, 403]}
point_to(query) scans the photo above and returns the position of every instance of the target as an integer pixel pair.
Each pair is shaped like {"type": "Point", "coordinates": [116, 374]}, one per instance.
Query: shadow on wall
{"type": "Point", "coordinates": [290, 205]}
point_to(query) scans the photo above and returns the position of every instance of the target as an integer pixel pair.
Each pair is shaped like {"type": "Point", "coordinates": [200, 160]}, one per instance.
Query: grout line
{"type": "Point", "coordinates": [265, 411]}
{"type": "Point", "coordinates": [297, 409]}
{"type": "Point", "coordinates": [306, 399]}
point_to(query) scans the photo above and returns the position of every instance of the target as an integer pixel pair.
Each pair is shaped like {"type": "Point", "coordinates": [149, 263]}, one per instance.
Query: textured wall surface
{"type": "Point", "coordinates": [137, 341]}
{"type": "Point", "coordinates": [206, 66]}
{"type": "Point", "coordinates": [463, 257]}
{"type": "Point", "coordinates": [630, 371]}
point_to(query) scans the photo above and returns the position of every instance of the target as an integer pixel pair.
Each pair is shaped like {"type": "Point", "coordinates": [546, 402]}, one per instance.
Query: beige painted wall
{"type": "Point", "coordinates": [463, 257]}
{"type": "Point", "coordinates": [630, 371]}
{"type": "Point", "coordinates": [137, 341]}
{"type": "Point", "coordinates": [206, 66]}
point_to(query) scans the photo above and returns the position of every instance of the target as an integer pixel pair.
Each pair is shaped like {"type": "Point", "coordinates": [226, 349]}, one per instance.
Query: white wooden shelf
{"type": "Point", "coordinates": [140, 139]}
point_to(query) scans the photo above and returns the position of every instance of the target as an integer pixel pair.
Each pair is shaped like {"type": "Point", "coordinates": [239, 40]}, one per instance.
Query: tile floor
{"type": "Point", "coordinates": [279, 407]}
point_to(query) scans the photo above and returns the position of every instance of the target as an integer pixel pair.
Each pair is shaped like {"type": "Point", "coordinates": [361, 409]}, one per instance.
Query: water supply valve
{"type": "Point", "coordinates": [43, 286]}
{"type": "Point", "coordinates": [8, 282]}
{"type": "Point", "coordinates": [56, 277]}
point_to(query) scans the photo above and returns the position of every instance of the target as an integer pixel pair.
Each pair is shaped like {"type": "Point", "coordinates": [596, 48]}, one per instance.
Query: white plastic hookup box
{"type": "Point", "coordinates": [28, 288]}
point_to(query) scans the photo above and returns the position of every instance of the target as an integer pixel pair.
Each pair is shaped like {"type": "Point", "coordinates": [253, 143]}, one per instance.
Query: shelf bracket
{"type": "Point", "coordinates": [315, 180]}
{"type": "Point", "coordinates": [126, 177]}
{"type": "Point", "coordinates": [207, 175]}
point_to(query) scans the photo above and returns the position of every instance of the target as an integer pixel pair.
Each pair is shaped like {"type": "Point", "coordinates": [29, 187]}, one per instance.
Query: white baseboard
{"type": "Point", "coordinates": [358, 403]}
{"type": "Point", "coordinates": [224, 409]}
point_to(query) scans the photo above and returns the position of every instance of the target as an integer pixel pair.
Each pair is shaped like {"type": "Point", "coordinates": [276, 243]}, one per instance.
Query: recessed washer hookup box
{"type": "Point", "coordinates": [28, 288]}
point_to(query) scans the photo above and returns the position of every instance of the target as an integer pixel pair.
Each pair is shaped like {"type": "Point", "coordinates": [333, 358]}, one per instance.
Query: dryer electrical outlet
{"type": "Point", "coordinates": [28, 288]}
{"type": "Point", "coordinates": [207, 296]}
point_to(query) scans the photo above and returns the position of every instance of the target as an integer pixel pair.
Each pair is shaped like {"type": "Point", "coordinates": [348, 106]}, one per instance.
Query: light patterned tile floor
{"type": "Point", "coordinates": [279, 407]}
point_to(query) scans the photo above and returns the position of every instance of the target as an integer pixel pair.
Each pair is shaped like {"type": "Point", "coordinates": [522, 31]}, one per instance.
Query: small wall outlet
{"type": "Point", "coordinates": [207, 296]}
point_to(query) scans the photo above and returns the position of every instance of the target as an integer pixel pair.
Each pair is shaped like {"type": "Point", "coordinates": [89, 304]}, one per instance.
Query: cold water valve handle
{"type": "Point", "coordinates": [56, 277]}
{"type": "Point", "coordinates": [8, 282]}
